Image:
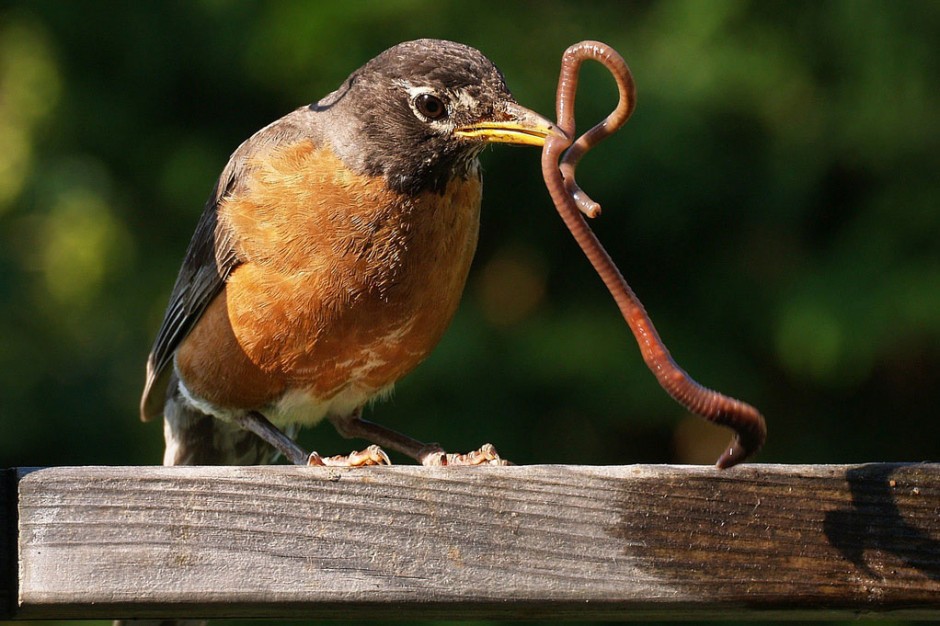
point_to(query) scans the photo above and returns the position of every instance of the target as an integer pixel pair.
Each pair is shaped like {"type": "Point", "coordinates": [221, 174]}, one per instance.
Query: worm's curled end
{"type": "Point", "coordinates": [586, 204]}
{"type": "Point", "coordinates": [746, 442]}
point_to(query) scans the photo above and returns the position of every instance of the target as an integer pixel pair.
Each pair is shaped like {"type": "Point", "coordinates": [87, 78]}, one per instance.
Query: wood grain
{"type": "Point", "coordinates": [535, 541]}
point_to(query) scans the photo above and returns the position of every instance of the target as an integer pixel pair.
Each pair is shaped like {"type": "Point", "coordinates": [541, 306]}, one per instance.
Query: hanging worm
{"type": "Point", "coordinates": [747, 423]}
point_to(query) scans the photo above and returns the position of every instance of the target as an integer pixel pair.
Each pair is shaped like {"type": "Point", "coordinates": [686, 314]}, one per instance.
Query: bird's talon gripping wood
{"type": "Point", "coordinates": [571, 201]}
{"type": "Point", "coordinates": [486, 455]}
{"type": "Point", "coordinates": [373, 455]}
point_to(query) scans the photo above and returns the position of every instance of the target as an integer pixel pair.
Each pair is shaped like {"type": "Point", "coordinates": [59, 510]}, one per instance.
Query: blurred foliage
{"type": "Point", "coordinates": [773, 201]}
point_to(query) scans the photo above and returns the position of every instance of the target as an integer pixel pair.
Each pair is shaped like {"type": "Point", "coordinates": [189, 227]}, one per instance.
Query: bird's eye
{"type": "Point", "coordinates": [430, 106]}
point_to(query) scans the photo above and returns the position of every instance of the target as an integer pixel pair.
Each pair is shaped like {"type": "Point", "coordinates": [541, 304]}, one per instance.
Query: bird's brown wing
{"type": "Point", "coordinates": [210, 258]}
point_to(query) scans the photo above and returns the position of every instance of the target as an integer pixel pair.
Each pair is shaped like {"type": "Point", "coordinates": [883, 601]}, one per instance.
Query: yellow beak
{"type": "Point", "coordinates": [518, 126]}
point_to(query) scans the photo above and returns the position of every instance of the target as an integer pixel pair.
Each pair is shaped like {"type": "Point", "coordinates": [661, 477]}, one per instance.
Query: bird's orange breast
{"type": "Point", "coordinates": [344, 282]}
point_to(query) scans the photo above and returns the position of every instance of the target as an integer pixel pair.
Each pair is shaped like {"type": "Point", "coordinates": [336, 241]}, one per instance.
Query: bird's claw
{"type": "Point", "coordinates": [486, 455]}
{"type": "Point", "coordinates": [373, 455]}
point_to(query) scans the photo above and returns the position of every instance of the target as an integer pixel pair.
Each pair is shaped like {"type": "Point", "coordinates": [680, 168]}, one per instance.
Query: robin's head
{"type": "Point", "coordinates": [421, 112]}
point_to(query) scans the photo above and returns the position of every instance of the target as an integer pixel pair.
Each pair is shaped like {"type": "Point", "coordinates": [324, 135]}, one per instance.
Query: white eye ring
{"type": "Point", "coordinates": [429, 107]}
{"type": "Point", "coordinates": [421, 95]}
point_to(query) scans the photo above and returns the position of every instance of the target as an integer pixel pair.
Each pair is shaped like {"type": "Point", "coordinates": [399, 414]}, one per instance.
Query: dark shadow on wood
{"type": "Point", "coordinates": [875, 521]}
{"type": "Point", "coordinates": [8, 565]}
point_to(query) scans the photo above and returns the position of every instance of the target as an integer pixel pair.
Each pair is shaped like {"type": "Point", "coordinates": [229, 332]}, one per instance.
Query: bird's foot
{"type": "Point", "coordinates": [486, 455]}
{"type": "Point", "coordinates": [373, 455]}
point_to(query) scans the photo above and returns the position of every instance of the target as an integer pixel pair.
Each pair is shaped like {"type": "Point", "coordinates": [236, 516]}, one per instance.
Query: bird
{"type": "Point", "coordinates": [328, 261]}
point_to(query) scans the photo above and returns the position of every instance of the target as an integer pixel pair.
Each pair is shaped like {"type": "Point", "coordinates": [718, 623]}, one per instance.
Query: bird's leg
{"type": "Point", "coordinates": [261, 426]}
{"type": "Point", "coordinates": [428, 454]}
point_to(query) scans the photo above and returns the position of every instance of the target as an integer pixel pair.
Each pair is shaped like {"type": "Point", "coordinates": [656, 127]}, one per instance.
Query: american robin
{"type": "Point", "coordinates": [329, 260]}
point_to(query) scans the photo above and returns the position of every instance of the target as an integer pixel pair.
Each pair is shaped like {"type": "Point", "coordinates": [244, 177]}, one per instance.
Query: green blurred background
{"type": "Point", "coordinates": [773, 202]}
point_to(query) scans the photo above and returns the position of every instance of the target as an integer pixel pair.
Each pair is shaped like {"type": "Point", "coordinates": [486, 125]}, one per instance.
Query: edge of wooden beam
{"type": "Point", "coordinates": [8, 542]}
{"type": "Point", "coordinates": [563, 542]}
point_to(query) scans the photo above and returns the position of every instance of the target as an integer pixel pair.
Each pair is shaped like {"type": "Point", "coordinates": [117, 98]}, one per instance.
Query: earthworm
{"type": "Point", "coordinates": [747, 423]}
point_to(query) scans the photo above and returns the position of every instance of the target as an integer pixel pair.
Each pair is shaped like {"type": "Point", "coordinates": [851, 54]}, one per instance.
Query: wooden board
{"type": "Point", "coordinates": [535, 541]}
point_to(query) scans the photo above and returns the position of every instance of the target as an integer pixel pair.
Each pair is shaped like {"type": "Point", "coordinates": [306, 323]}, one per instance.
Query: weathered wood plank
{"type": "Point", "coordinates": [535, 541]}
